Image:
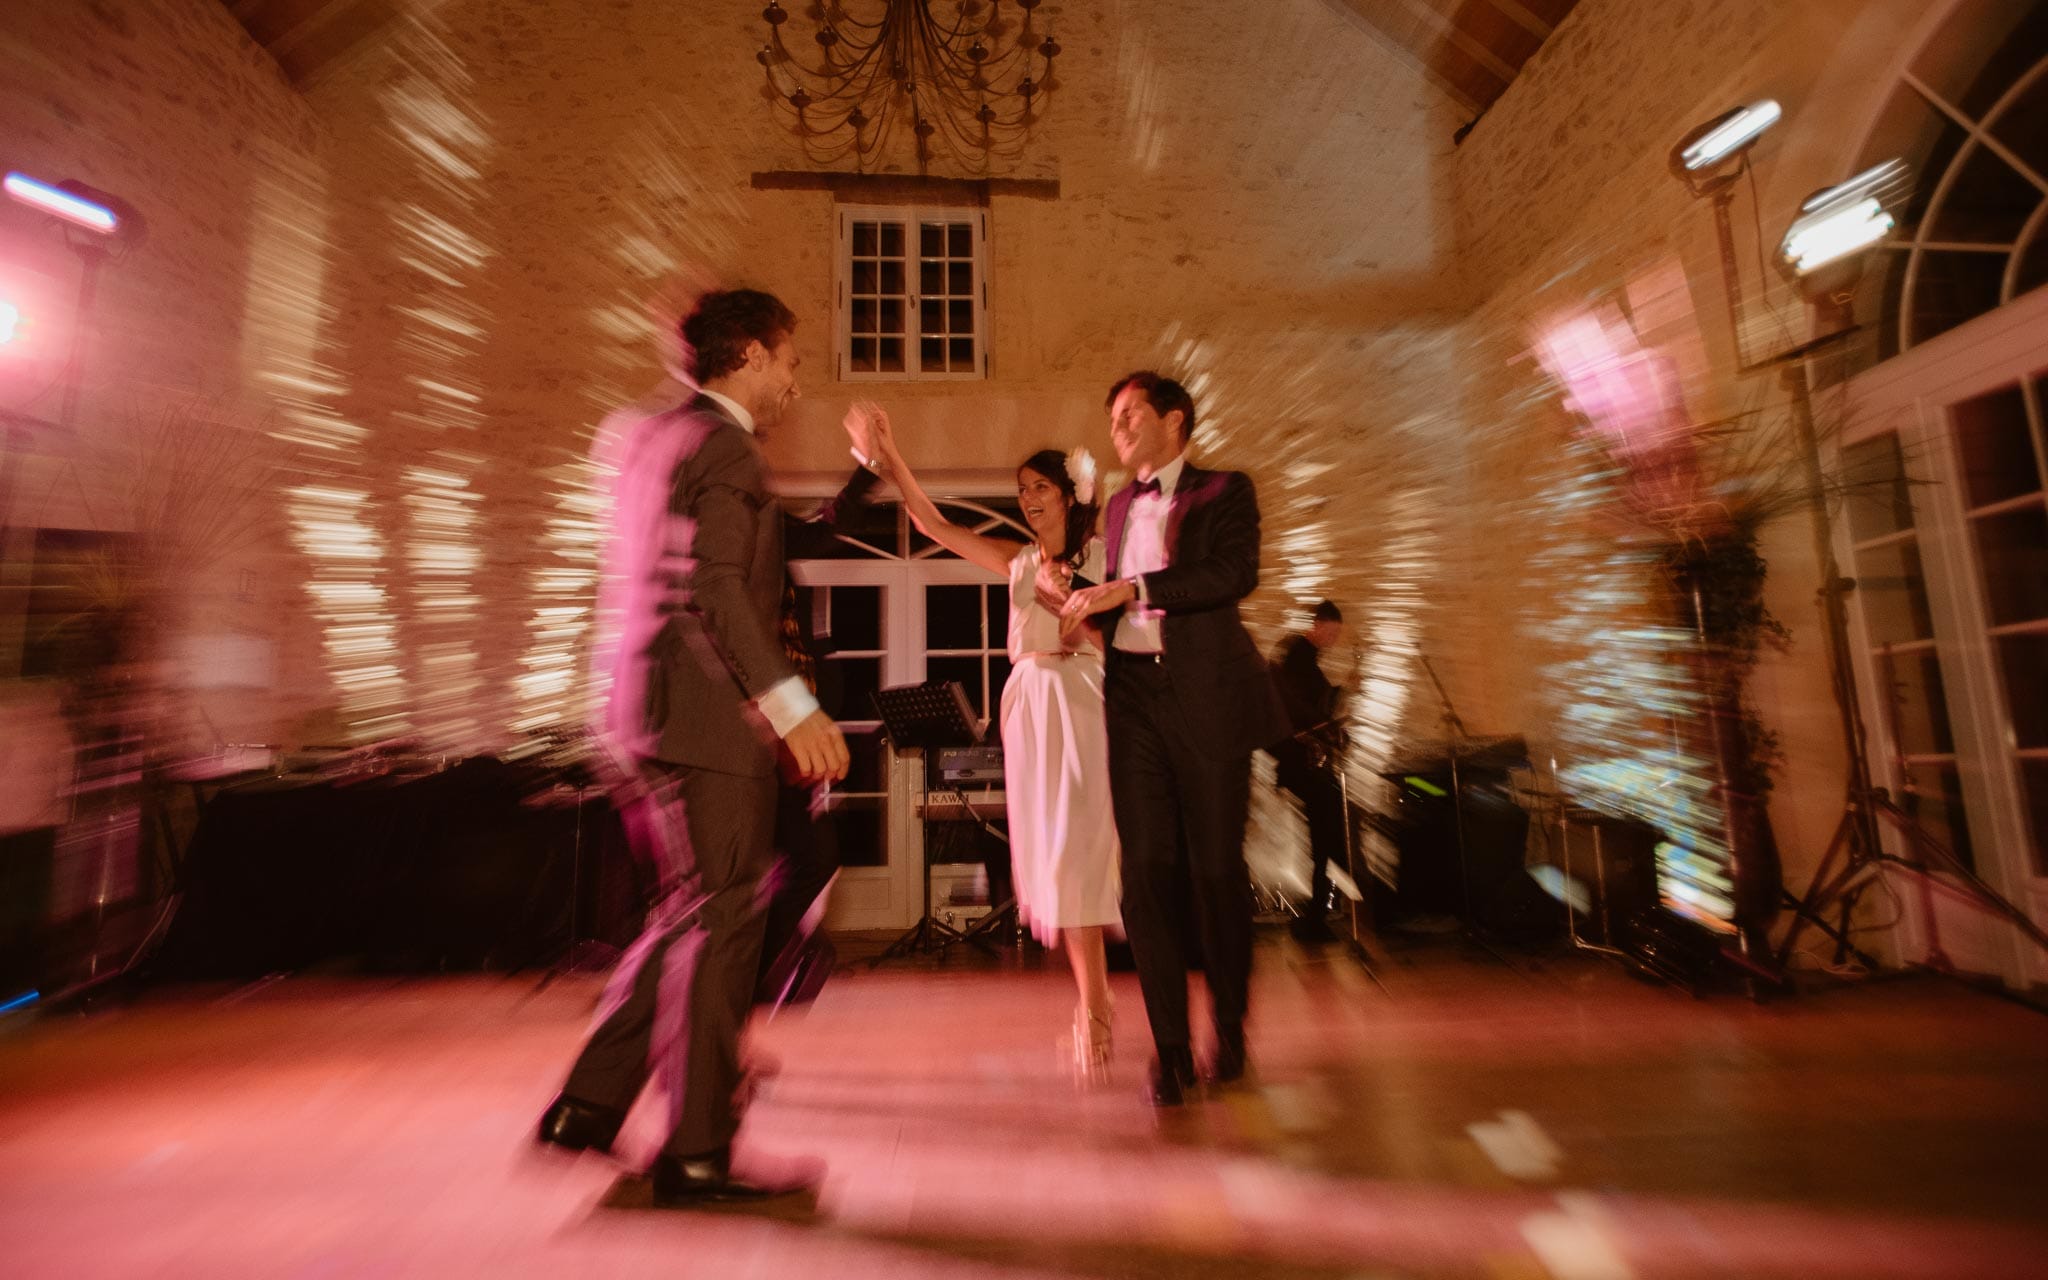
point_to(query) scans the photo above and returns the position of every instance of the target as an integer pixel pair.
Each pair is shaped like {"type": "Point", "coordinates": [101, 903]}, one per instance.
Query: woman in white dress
{"type": "Point", "coordinates": [1063, 845]}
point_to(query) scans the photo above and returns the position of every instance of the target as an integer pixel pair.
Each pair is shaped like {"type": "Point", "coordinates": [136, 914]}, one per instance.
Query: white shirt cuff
{"type": "Point", "coordinates": [872, 464]}
{"type": "Point", "coordinates": [786, 705]}
{"type": "Point", "coordinates": [1138, 582]}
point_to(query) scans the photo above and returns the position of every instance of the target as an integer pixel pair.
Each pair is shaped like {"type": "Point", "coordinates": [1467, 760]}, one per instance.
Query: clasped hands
{"type": "Point", "coordinates": [1088, 601]}
{"type": "Point", "coordinates": [867, 427]}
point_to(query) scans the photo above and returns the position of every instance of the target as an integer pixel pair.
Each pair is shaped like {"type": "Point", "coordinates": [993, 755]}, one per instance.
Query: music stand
{"type": "Point", "coordinates": [933, 714]}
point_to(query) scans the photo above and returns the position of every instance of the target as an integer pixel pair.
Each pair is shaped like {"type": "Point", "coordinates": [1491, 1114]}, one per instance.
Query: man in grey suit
{"type": "Point", "coordinates": [703, 700]}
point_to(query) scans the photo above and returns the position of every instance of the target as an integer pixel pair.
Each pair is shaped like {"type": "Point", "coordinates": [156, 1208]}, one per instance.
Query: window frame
{"type": "Point", "coordinates": [911, 217]}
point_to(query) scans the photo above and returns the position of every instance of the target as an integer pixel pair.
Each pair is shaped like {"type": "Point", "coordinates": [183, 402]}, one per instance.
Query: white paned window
{"type": "Point", "coordinates": [912, 296]}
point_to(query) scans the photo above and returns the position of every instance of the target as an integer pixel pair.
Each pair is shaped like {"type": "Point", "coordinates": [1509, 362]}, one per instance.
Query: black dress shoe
{"type": "Point", "coordinates": [576, 1125]}
{"type": "Point", "coordinates": [1226, 1065]}
{"type": "Point", "coordinates": [1173, 1074]}
{"type": "Point", "coordinates": [683, 1181]}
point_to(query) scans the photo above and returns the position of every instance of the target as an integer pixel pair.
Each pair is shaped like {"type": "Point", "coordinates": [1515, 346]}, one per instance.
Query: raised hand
{"type": "Point", "coordinates": [860, 428]}
{"type": "Point", "coordinates": [883, 434]}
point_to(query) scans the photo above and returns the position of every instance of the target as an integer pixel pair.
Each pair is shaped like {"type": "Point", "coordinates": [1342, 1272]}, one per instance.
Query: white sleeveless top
{"type": "Point", "coordinates": [1033, 627]}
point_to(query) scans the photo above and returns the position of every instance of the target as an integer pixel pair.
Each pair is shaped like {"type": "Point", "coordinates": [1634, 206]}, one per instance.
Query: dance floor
{"type": "Point", "coordinates": [1458, 1116]}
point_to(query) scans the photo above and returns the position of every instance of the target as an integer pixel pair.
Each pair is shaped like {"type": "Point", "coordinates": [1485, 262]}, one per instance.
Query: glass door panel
{"type": "Point", "coordinates": [1898, 628]}
{"type": "Point", "coordinates": [845, 626]}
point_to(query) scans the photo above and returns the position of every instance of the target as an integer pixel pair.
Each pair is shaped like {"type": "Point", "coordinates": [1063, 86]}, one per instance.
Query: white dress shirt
{"type": "Point", "coordinates": [1144, 551]}
{"type": "Point", "coordinates": [789, 702]}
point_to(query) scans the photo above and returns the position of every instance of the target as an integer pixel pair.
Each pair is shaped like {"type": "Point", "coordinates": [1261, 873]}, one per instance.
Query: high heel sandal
{"type": "Point", "coordinates": [1092, 1039]}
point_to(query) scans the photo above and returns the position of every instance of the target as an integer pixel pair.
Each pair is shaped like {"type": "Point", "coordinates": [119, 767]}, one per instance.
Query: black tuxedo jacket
{"type": "Point", "coordinates": [1219, 680]}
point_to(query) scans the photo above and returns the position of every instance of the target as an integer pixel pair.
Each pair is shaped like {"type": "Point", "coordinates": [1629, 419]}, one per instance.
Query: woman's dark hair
{"type": "Point", "coordinates": [1052, 464]}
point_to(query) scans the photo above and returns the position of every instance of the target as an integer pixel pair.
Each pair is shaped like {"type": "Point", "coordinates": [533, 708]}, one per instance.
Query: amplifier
{"type": "Point", "coordinates": [982, 766]}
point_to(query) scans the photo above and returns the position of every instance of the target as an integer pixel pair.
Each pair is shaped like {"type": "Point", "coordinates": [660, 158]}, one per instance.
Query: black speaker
{"type": "Point", "coordinates": [1461, 854]}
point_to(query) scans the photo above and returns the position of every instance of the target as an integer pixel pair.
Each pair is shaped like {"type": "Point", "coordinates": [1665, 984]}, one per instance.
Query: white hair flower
{"type": "Point", "coordinates": [1081, 470]}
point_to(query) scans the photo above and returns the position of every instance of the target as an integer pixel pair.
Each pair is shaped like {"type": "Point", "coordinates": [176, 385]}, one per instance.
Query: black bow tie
{"type": "Point", "coordinates": [1144, 487]}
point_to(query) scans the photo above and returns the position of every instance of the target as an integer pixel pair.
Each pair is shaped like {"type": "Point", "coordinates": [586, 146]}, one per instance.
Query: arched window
{"type": "Point", "coordinates": [1970, 114]}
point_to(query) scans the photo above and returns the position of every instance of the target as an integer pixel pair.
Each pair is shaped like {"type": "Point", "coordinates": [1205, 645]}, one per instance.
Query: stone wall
{"type": "Point", "coordinates": [1253, 210]}
{"type": "Point", "coordinates": [169, 106]}
{"type": "Point", "coordinates": [1565, 199]}
{"type": "Point", "coordinates": [444, 266]}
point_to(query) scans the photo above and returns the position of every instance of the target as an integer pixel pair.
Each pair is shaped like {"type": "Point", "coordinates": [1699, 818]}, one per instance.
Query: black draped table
{"type": "Point", "coordinates": [474, 867]}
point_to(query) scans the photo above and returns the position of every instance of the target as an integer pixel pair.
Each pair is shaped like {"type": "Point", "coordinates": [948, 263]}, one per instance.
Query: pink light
{"type": "Point", "coordinates": [60, 203]}
{"type": "Point", "coordinates": [10, 321]}
{"type": "Point", "coordinates": [1630, 397]}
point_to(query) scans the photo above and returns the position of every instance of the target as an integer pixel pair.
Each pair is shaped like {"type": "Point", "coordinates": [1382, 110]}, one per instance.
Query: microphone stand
{"type": "Point", "coordinates": [1454, 728]}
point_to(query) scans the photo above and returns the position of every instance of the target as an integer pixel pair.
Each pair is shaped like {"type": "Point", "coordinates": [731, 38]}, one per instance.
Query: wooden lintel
{"type": "Point", "coordinates": [906, 188]}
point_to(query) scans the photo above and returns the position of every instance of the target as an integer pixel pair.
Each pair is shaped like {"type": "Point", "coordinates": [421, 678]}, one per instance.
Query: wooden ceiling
{"type": "Point", "coordinates": [1472, 49]}
{"type": "Point", "coordinates": [308, 37]}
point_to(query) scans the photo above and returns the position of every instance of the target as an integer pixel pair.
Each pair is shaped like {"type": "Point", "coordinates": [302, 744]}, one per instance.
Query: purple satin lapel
{"type": "Point", "coordinates": [1113, 529]}
{"type": "Point", "coordinates": [1195, 486]}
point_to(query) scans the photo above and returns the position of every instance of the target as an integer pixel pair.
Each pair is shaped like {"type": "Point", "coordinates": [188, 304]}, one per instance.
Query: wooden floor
{"type": "Point", "coordinates": [1469, 1117]}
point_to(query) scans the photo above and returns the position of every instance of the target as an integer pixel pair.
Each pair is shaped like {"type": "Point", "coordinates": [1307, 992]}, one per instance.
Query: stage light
{"type": "Point", "coordinates": [10, 321]}
{"type": "Point", "coordinates": [1710, 158]}
{"type": "Point", "coordinates": [1839, 221]}
{"type": "Point", "coordinates": [72, 205]}
{"type": "Point", "coordinates": [1726, 135]}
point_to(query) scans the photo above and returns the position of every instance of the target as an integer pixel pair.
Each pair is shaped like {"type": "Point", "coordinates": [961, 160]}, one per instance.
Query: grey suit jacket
{"type": "Point", "coordinates": [696, 568]}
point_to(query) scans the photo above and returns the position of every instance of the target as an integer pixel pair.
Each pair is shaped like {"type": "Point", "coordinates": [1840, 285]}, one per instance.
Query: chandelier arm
{"type": "Point", "coordinates": [937, 87]}
{"type": "Point", "coordinates": [828, 73]}
{"type": "Point", "coordinates": [849, 20]}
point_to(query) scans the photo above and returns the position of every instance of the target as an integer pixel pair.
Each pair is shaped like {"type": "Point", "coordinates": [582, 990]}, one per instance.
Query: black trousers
{"type": "Point", "coordinates": [806, 858]}
{"type": "Point", "coordinates": [1322, 803]}
{"type": "Point", "coordinates": [1180, 815]}
{"type": "Point", "coordinates": [680, 996]}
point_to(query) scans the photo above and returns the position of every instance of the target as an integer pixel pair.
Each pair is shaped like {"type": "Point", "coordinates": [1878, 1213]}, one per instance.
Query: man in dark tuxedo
{"type": "Point", "coordinates": [703, 700]}
{"type": "Point", "coordinates": [1188, 700]}
{"type": "Point", "coordinates": [1302, 758]}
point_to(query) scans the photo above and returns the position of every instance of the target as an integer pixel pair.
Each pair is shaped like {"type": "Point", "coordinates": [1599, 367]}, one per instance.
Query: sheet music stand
{"type": "Point", "coordinates": [933, 714]}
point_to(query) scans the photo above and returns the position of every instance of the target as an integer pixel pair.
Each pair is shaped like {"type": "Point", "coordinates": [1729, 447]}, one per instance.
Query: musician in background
{"type": "Point", "coordinates": [1308, 760]}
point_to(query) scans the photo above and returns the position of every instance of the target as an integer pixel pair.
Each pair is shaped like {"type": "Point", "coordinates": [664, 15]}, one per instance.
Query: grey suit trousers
{"type": "Point", "coordinates": [680, 997]}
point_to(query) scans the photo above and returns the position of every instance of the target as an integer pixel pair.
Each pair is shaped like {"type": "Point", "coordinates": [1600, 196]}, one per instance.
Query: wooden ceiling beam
{"type": "Point", "coordinates": [1523, 18]}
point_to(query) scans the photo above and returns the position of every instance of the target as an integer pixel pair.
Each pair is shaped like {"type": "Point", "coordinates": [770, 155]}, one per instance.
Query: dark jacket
{"type": "Point", "coordinates": [698, 550]}
{"type": "Point", "coordinates": [1212, 546]}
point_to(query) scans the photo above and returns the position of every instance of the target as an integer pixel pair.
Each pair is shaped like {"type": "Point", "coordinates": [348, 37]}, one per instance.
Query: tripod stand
{"type": "Point", "coordinates": [579, 954]}
{"type": "Point", "coordinates": [1862, 862]}
{"type": "Point", "coordinates": [981, 933]}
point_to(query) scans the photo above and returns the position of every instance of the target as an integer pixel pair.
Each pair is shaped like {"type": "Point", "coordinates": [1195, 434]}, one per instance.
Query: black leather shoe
{"type": "Point", "coordinates": [576, 1125]}
{"type": "Point", "coordinates": [683, 1181]}
{"type": "Point", "coordinates": [1226, 1065]}
{"type": "Point", "coordinates": [1173, 1074]}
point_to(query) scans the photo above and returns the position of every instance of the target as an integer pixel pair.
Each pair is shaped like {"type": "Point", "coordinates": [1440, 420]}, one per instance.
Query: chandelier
{"type": "Point", "coordinates": [969, 84]}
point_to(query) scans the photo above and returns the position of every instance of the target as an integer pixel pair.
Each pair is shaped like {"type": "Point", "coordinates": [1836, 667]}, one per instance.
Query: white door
{"type": "Point", "coordinates": [897, 610]}
{"type": "Point", "coordinates": [859, 612]}
{"type": "Point", "coordinates": [1947, 539]}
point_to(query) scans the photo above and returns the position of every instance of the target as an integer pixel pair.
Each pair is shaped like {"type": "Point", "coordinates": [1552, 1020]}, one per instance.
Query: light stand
{"type": "Point", "coordinates": [1821, 255]}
